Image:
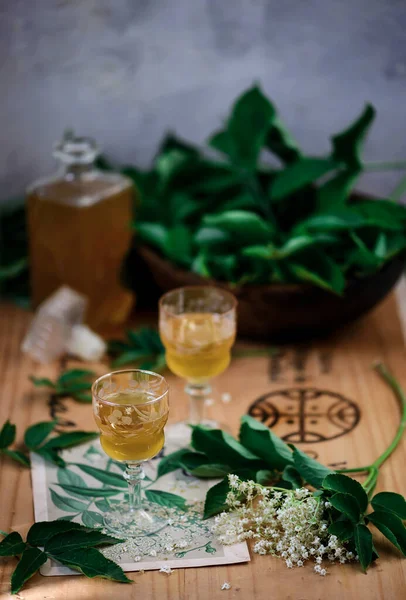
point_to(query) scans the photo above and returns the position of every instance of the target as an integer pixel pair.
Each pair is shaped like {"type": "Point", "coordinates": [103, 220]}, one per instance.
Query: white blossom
{"type": "Point", "coordinates": [226, 586]}
{"type": "Point", "coordinates": [291, 524]}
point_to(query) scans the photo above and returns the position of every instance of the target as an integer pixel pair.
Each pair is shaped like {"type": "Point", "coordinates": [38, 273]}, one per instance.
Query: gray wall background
{"type": "Point", "coordinates": [124, 71]}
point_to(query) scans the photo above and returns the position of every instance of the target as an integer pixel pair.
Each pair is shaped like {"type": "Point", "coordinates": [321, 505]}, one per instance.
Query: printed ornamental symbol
{"type": "Point", "coordinates": [306, 415]}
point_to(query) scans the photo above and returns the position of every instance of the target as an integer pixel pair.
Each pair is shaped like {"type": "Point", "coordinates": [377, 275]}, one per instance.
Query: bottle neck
{"type": "Point", "coordinates": [72, 172]}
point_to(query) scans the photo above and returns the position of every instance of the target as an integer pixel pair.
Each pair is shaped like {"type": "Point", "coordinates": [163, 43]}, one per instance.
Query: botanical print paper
{"type": "Point", "coordinates": [186, 542]}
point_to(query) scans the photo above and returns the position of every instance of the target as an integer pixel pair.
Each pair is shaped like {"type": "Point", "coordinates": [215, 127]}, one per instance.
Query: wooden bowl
{"type": "Point", "coordinates": [285, 312]}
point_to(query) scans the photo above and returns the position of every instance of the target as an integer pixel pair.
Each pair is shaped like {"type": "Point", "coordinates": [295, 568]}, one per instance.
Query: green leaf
{"type": "Point", "coordinates": [36, 434]}
{"type": "Point", "coordinates": [264, 476]}
{"type": "Point", "coordinates": [293, 476]}
{"type": "Point", "coordinates": [42, 531]}
{"type": "Point", "coordinates": [337, 482]}
{"type": "Point", "coordinates": [312, 471]}
{"type": "Point", "coordinates": [391, 502]}
{"type": "Point", "coordinates": [89, 492]}
{"type": "Point", "coordinates": [247, 128]}
{"type": "Point", "coordinates": [67, 504]}
{"type": "Point", "coordinates": [178, 245]}
{"type": "Point", "coordinates": [197, 464]}
{"type": "Point", "coordinates": [347, 505]}
{"type": "Point", "coordinates": [222, 141]}
{"type": "Point", "coordinates": [347, 145]}
{"type": "Point", "coordinates": [302, 172]}
{"type": "Point", "coordinates": [316, 268]}
{"type": "Point", "coordinates": [12, 544]}
{"type": "Point", "coordinates": [51, 455]}
{"type": "Point", "coordinates": [173, 142]}
{"type": "Point", "coordinates": [344, 530]}
{"type": "Point", "coordinates": [208, 237]}
{"type": "Point", "coordinates": [338, 220]}
{"type": "Point", "coordinates": [102, 505]}
{"type": "Point", "coordinates": [67, 477]}
{"type": "Point", "coordinates": [128, 358]}
{"type": "Point", "coordinates": [363, 545]}
{"type": "Point", "coordinates": [17, 456]}
{"type": "Point", "coordinates": [170, 463]}
{"type": "Point", "coordinates": [262, 252]}
{"type": "Point", "coordinates": [66, 440]}
{"type": "Point", "coordinates": [382, 214]}
{"type": "Point", "coordinates": [73, 386]}
{"type": "Point", "coordinates": [7, 435]}
{"type": "Point", "coordinates": [31, 560]}
{"type": "Point", "coordinates": [248, 226]}
{"type": "Point", "coordinates": [215, 443]}
{"type": "Point", "coordinates": [391, 527]}
{"type": "Point", "coordinates": [281, 143]}
{"type": "Point", "coordinates": [80, 397]}
{"type": "Point", "coordinates": [215, 501]}
{"type": "Point", "coordinates": [41, 381]}
{"type": "Point", "coordinates": [166, 499]}
{"type": "Point", "coordinates": [75, 538]}
{"type": "Point", "coordinates": [167, 165]}
{"type": "Point", "coordinates": [152, 233]}
{"type": "Point", "coordinates": [91, 518]}
{"type": "Point", "coordinates": [246, 200]}
{"type": "Point", "coordinates": [263, 443]}
{"type": "Point", "coordinates": [104, 476]}
{"type": "Point", "coordinates": [73, 375]}
{"type": "Point", "coordinates": [296, 244]}
{"type": "Point", "coordinates": [92, 563]}
{"type": "Point", "coordinates": [335, 192]}
{"type": "Point", "coordinates": [14, 269]}
{"type": "Point", "coordinates": [199, 265]}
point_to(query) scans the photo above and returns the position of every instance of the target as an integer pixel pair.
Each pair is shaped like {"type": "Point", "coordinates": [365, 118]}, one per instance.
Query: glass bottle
{"type": "Point", "coordinates": [79, 223]}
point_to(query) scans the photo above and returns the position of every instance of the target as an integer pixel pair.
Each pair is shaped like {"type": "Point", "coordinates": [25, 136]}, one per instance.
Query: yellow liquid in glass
{"type": "Point", "coordinates": [197, 345]}
{"type": "Point", "coordinates": [132, 430]}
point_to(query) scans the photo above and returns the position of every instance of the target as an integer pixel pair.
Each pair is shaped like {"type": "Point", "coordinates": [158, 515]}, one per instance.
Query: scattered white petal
{"type": "Point", "coordinates": [209, 402]}
{"type": "Point", "coordinates": [226, 586]}
{"type": "Point", "coordinates": [226, 397]}
{"type": "Point", "coordinates": [152, 553]}
{"type": "Point", "coordinates": [166, 570]}
{"type": "Point", "coordinates": [137, 558]}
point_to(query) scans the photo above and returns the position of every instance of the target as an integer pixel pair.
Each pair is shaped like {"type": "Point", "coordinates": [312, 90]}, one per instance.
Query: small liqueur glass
{"type": "Point", "coordinates": [131, 409]}
{"type": "Point", "coordinates": [198, 328]}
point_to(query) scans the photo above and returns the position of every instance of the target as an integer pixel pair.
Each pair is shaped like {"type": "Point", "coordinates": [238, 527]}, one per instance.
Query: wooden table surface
{"type": "Point", "coordinates": [323, 396]}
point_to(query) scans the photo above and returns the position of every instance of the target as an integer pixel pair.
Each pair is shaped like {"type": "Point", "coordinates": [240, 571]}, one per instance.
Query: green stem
{"type": "Point", "coordinates": [384, 165]}
{"type": "Point", "coordinates": [401, 396]}
{"type": "Point", "coordinates": [370, 482]}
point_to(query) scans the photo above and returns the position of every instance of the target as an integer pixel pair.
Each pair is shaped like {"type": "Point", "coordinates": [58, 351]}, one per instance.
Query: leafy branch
{"type": "Point", "coordinates": [143, 347]}
{"type": "Point", "coordinates": [262, 457]}
{"type": "Point", "coordinates": [243, 221]}
{"type": "Point", "coordinates": [36, 439]}
{"type": "Point", "coordinates": [69, 543]}
{"type": "Point", "coordinates": [75, 383]}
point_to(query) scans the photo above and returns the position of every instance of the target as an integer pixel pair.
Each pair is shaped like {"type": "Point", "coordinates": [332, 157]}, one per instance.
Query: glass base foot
{"type": "Point", "coordinates": [124, 523]}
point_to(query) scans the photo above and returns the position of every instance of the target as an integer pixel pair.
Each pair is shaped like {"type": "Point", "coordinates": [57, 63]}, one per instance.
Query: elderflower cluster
{"type": "Point", "coordinates": [290, 524]}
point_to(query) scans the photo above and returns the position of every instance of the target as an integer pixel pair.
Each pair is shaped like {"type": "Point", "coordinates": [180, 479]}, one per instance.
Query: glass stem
{"type": "Point", "coordinates": [134, 474]}
{"type": "Point", "coordinates": [198, 393]}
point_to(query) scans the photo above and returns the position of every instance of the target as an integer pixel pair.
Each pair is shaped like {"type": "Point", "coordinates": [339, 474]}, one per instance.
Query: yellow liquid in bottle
{"type": "Point", "coordinates": [133, 431]}
{"type": "Point", "coordinates": [82, 247]}
{"type": "Point", "coordinates": [197, 345]}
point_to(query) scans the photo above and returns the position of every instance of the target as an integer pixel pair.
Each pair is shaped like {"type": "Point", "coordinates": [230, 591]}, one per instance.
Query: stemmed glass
{"type": "Point", "coordinates": [131, 410]}
{"type": "Point", "coordinates": [197, 327]}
